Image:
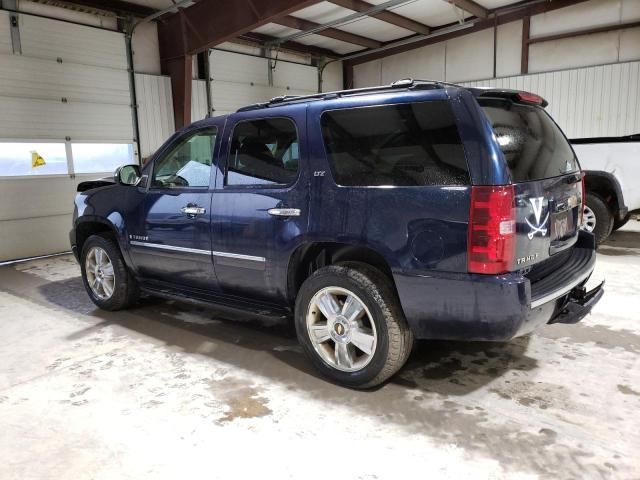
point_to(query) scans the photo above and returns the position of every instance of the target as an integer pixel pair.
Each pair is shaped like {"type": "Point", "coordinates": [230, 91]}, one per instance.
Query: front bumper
{"type": "Point", "coordinates": [496, 308]}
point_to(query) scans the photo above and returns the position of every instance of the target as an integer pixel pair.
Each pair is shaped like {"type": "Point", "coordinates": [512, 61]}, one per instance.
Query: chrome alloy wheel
{"type": "Point", "coordinates": [588, 220]}
{"type": "Point", "coordinates": [99, 271]}
{"type": "Point", "coordinates": [341, 329]}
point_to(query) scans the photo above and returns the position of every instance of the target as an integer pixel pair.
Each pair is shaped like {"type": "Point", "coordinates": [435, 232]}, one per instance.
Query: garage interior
{"type": "Point", "coordinates": [169, 389]}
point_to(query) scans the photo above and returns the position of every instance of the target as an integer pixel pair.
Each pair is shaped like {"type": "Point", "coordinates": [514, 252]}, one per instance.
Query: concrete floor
{"type": "Point", "coordinates": [172, 391]}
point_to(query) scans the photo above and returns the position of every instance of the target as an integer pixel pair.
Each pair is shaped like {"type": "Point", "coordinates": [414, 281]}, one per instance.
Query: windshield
{"type": "Point", "coordinates": [533, 145]}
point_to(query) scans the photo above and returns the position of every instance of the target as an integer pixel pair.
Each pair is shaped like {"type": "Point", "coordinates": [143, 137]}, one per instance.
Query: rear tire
{"type": "Point", "coordinates": [105, 275]}
{"type": "Point", "coordinates": [598, 218]}
{"type": "Point", "coordinates": [360, 335]}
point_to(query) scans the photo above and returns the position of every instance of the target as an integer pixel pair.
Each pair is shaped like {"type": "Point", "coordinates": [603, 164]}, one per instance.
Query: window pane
{"type": "Point", "coordinates": [18, 159]}
{"type": "Point", "coordinates": [532, 144]}
{"type": "Point", "coordinates": [188, 164]}
{"type": "Point", "coordinates": [100, 157]}
{"type": "Point", "coordinates": [263, 152]}
{"type": "Point", "coordinates": [398, 145]}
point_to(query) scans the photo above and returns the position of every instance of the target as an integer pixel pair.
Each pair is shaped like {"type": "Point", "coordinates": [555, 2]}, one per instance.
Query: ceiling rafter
{"type": "Point", "coordinates": [385, 16]}
{"type": "Point", "coordinates": [472, 7]}
{"type": "Point", "coordinates": [334, 33]}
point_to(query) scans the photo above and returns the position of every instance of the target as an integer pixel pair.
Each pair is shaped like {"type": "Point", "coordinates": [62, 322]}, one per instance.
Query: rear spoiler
{"type": "Point", "coordinates": [517, 96]}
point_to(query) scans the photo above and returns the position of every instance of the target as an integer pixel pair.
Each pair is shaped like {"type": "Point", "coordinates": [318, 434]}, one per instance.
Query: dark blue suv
{"type": "Point", "coordinates": [373, 216]}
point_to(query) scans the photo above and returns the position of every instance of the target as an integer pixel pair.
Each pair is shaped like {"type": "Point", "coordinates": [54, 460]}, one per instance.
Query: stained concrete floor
{"type": "Point", "coordinates": [169, 390]}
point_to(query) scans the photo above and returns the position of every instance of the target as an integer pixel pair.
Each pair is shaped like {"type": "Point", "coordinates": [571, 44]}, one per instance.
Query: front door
{"type": "Point", "coordinates": [173, 243]}
{"type": "Point", "coordinates": [260, 205]}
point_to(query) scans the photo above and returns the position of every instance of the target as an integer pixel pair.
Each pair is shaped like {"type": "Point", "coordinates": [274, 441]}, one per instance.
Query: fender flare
{"type": "Point", "coordinates": [621, 209]}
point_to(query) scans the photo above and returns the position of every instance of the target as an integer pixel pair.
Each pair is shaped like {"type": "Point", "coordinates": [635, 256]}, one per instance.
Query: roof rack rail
{"type": "Point", "coordinates": [407, 83]}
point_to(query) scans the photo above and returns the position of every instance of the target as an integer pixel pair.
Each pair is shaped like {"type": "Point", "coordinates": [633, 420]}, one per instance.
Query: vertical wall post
{"type": "Point", "coordinates": [524, 56]}
{"type": "Point", "coordinates": [180, 71]}
{"type": "Point", "coordinates": [207, 82]}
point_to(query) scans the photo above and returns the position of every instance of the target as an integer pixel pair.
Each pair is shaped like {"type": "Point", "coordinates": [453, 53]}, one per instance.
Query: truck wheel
{"type": "Point", "coordinates": [620, 223]}
{"type": "Point", "coordinates": [105, 276]}
{"type": "Point", "coordinates": [350, 324]}
{"type": "Point", "coordinates": [597, 218]}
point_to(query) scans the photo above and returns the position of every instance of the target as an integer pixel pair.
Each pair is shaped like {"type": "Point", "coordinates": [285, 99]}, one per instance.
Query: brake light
{"type": "Point", "coordinates": [583, 200]}
{"type": "Point", "coordinates": [492, 230]}
{"type": "Point", "coordinates": [530, 98]}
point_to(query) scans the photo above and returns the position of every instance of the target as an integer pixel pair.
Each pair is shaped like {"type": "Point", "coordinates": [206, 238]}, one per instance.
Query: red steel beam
{"type": "Point", "coordinates": [336, 34]}
{"type": "Point", "coordinates": [385, 16]}
{"type": "Point", "coordinates": [472, 7]}
{"type": "Point", "coordinates": [211, 22]}
{"type": "Point", "coordinates": [181, 72]}
{"type": "Point", "coordinates": [587, 31]}
{"type": "Point", "coordinates": [534, 9]}
{"type": "Point", "coordinates": [524, 55]}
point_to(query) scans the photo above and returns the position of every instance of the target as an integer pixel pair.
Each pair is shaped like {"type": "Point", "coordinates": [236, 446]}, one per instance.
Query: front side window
{"type": "Point", "coordinates": [188, 164]}
{"type": "Point", "coordinates": [411, 144]}
{"type": "Point", "coordinates": [263, 152]}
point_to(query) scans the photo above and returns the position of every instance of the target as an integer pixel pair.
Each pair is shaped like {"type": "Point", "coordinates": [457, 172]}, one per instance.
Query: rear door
{"type": "Point", "coordinates": [546, 178]}
{"type": "Point", "coordinates": [260, 204]}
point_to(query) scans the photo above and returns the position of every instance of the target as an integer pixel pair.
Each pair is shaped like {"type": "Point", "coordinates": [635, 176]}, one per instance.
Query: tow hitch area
{"type": "Point", "coordinates": [579, 304]}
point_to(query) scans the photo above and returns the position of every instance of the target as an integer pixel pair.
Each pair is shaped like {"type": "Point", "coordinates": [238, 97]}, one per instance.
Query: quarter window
{"type": "Point", "coordinates": [412, 144]}
{"type": "Point", "coordinates": [263, 152]}
{"type": "Point", "coordinates": [188, 164]}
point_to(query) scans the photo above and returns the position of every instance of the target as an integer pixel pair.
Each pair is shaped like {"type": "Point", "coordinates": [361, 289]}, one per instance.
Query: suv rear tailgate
{"type": "Point", "coordinates": [546, 178]}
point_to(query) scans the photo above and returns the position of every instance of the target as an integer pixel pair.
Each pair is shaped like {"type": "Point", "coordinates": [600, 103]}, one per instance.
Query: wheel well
{"type": "Point", "coordinates": [604, 188]}
{"type": "Point", "coordinates": [86, 229]}
{"type": "Point", "coordinates": [313, 256]}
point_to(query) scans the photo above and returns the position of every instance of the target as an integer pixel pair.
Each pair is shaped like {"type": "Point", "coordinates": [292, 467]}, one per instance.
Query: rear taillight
{"type": "Point", "coordinates": [583, 201]}
{"type": "Point", "coordinates": [492, 229]}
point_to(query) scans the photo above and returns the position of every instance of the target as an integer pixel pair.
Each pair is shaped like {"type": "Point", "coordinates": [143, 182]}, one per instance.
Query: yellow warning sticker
{"type": "Point", "coordinates": [37, 160]}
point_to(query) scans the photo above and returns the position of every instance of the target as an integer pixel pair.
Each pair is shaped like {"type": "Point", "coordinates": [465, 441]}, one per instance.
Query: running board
{"type": "Point", "coordinates": [214, 299]}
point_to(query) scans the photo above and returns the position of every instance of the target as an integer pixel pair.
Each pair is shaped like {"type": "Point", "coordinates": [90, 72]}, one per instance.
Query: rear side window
{"type": "Point", "coordinates": [263, 152]}
{"type": "Point", "coordinates": [531, 142]}
{"type": "Point", "coordinates": [412, 144]}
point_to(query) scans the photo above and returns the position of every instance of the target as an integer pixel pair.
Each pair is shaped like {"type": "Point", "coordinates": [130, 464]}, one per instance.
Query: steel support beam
{"type": "Point", "coordinates": [301, 24]}
{"type": "Point", "coordinates": [181, 71]}
{"type": "Point", "coordinates": [524, 55]}
{"type": "Point", "coordinates": [472, 7]}
{"type": "Point", "coordinates": [117, 6]}
{"type": "Point", "coordinates": [587, 31]}
{"type": "Point", "coordinates": [211, 22]}
{"type": "Point", "coordinates": [261, 39]}
{"type": "Point", "coordinates": [385, 16]}
{"type": "Point", "coordinates": [517, 12]}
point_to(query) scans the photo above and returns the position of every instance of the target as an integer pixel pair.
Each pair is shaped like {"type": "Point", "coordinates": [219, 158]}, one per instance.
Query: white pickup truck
{"type": "Point", "coordinates": [612, 181]}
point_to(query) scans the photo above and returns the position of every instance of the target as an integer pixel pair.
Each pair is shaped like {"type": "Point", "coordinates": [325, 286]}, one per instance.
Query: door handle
{"type": "Point", "coordinates": [284, 212]}
{"type": "Point", "coordinates": [191, 210]}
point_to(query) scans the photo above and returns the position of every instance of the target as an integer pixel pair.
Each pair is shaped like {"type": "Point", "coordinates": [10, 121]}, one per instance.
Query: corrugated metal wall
{"type": "Point", "coordinates": [602, 101]}
{"type": "Point", "coordinates": [198, 100]}
{"type": "Point", "coordinates": [155, 111]}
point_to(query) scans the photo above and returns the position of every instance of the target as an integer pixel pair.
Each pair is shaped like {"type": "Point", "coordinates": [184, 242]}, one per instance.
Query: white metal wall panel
{"type": "Point", "coordinates": [470, 56]}
{"type": "Point", "coordinates": [602, 101]}
{"type": "Point", "coordinates": [198, 100]}
{"type": "Point", "coordinates": [48, 80]}
{"type": "Point", "coordinates": [5, 34]}
{"type": "Point", "coordinates": [155, 111]}
{"type": "Point", "coordinates": [51, 39]}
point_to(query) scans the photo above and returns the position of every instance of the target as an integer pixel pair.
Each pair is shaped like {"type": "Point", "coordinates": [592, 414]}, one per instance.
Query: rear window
{"type": "Point", "coordinates": [531, 142]}
{"type": "Point", "coordinates": [412, 144]}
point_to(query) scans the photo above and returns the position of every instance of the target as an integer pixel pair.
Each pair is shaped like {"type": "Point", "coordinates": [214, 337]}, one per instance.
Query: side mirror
{"type": "Point", "coordinates": [127, 175]}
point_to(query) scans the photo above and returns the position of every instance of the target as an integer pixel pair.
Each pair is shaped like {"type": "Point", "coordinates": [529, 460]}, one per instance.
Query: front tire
{"type": "Point", "coordinates": [105, 275]}
{"type": "Point", "coordinates": [350, 324]}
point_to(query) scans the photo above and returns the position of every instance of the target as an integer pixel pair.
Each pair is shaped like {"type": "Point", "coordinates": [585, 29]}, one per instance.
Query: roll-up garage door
{"type": "Point", "coordinates": [240, 80]}
{"type": "Point", "coordinates": [65, 117]}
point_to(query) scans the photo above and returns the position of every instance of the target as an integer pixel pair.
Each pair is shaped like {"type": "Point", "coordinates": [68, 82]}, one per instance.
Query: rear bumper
{"type": "Point", "coordinates": [482, 307]}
